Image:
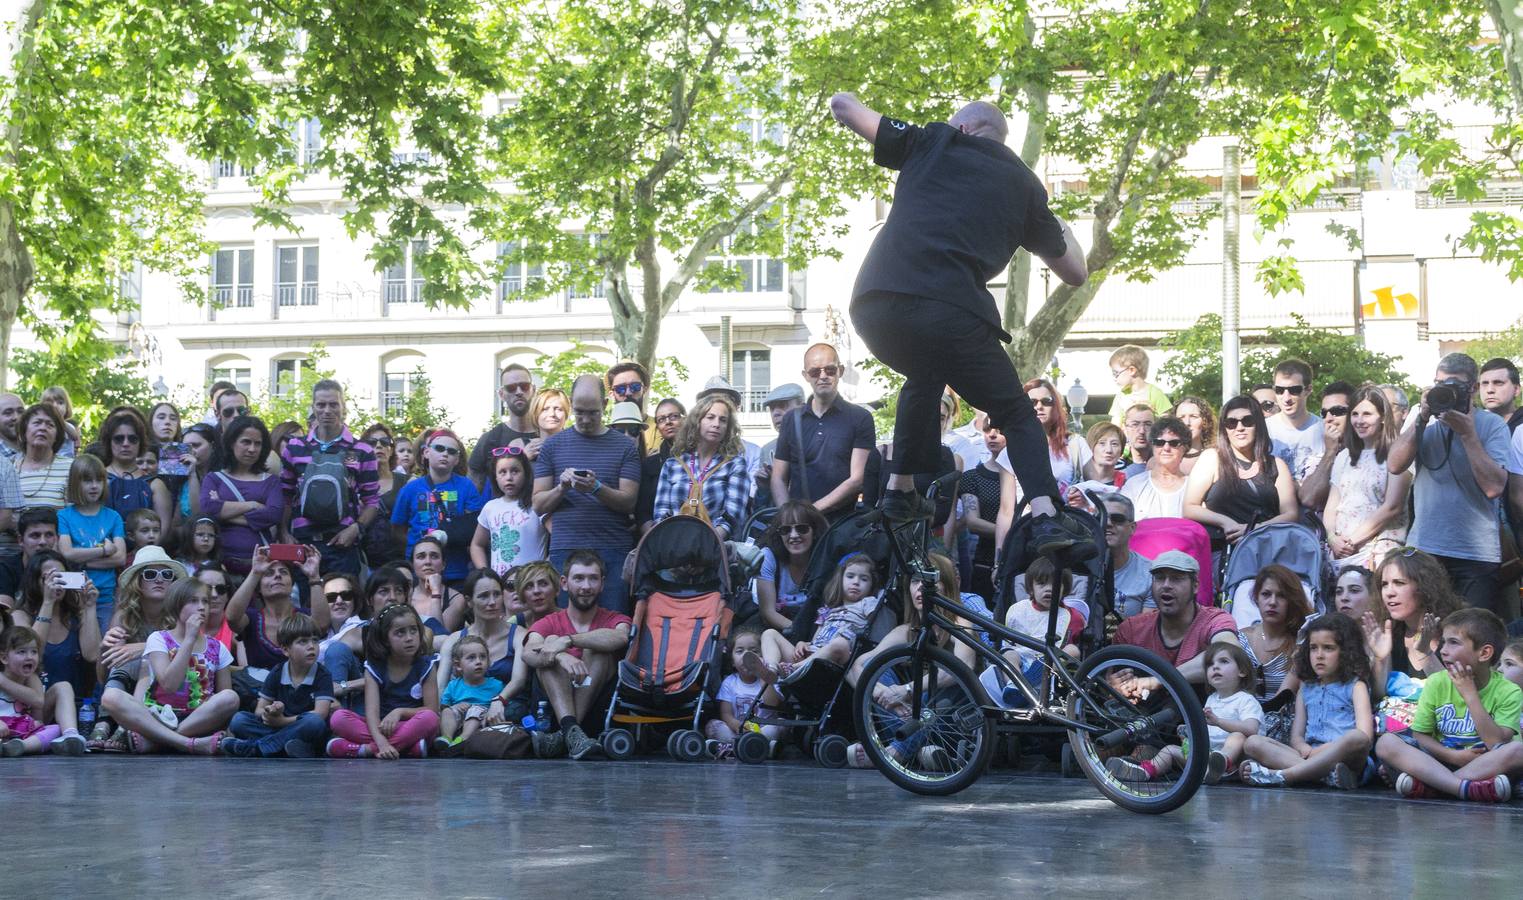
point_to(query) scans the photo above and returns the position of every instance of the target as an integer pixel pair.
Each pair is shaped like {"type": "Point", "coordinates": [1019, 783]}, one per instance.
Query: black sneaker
{"type": "Point", "coordinates": [548, 744]}
{"type": "Point", "coordinates": [238, 747]}
{"type": "Point", "coordinates": [579, 745]}
{"type": "Point", "coordinates": [906, 506]}
{"type": "Point", "coordinates": [299, 750]}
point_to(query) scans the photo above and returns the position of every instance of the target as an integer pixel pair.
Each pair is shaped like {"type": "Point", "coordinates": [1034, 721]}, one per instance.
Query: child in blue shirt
{"type": "Point", "coordinates": [91, 534]}
{"type": "Point", "coordinates": [469, 693]}
{"type": "Point", "coordinates": [443, 491]}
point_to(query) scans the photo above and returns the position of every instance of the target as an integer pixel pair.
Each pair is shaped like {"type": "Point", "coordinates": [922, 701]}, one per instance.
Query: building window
{"type": "Point", "coordinates": [751, 373]}
{"type": "Point", "coordinates": [287, 375]}
{"type": "Point", "coordinates": [236, 371]}
{"type": "Point", "coordinates": [307, 140]}
{"type": "Point", "coordinates": [747, 274]}
{"type": "Point", "coordinates": [296, 276]}
{"type": "Point", "coordinates": [233, 277]}
{"type": "Point", "coordinates": [397, 378]}
{"type": "Point", "coordinates": [227, 168]}
{"type": "Point", "coordinates": [402, 283]}
{"type": "Point", "coordinates": [521, 278]}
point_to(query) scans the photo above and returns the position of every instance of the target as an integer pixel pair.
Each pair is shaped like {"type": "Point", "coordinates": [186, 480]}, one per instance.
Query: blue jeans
{"type": "Point", "coordinates": [615, 593]}
{"type": "Point", "coordinates": [335, 559]}
{"type": "Point", "coordinates": [308, 728]}
{"type": "Point", "coordinates": [343, 665]}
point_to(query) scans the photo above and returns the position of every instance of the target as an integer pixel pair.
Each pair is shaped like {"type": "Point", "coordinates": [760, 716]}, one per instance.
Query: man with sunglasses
{"type": "Point", "coordinates": [963, 205]}
{"type": "Point", "coordinates": [330, 438]}
{"type": "Point", "coordinates": [822, 446]}
{"type": "Point", "coordinates": [230, 405]}
{"type": "Point", "coordinates": [1336, 399]}
{"type": "Point", "coordinates": [1131, 575]}
{"type": "Point", "coordinates": [1460, 454]}
{"type": "Point", "coordinates": [515, 392]}
{"type": "Point", "coordinates": [1296, 433]}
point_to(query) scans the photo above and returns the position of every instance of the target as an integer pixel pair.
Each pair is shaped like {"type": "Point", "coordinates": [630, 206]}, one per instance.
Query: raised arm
{"type": "Point", "coordinates": [854, 114]}
{"type": "Point", "coordinates": [1071, 266]}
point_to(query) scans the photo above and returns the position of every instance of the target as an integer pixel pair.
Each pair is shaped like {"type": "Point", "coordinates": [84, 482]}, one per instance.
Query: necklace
{"type": "Point", "coordinates": [1243, 465]}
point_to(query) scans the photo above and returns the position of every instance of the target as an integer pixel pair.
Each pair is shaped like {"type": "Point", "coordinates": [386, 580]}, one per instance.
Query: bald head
{"type": "Point", "coordinates": [10, 414]}
{"type": "Point", "coordinates": [587, 405]}
{"type": "Point", "coordinates": [981, 119]}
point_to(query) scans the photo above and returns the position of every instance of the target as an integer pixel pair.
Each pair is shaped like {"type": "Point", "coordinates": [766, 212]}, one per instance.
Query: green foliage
{"type": "Point", "coordinates": [559, 370]}
{"type": "Point", "coordinates": [1195, 367]}
{"type": "Point", "coordinates": [94, 389]}
{"type": "Point", "coordinates": [420, 411]}
{"type": "Point", "coordinates": [1507, 344]}
{"type": "Point", "coordinates": [295, 402]}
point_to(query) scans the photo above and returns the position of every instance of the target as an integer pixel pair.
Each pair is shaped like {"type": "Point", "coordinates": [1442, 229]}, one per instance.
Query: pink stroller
{"type": "Point", "coordinates": [1154, 536]}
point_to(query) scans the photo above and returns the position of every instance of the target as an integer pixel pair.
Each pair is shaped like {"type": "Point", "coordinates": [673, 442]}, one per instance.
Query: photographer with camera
{"type": "Point", "coordinates": [1460, 454]}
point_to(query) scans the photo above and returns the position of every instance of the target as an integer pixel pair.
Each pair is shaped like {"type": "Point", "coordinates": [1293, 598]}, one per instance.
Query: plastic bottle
{"type": "Point", "coordinates": [540, 721]}
{"type": "Point", "coordinates": [86, 716]}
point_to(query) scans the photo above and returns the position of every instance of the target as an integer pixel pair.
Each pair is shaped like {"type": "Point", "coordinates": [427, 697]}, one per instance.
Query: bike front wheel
{"type": "Point", "coordinates": [948, 746]}
{"type": "Point", "coordinates": [1149, 747]}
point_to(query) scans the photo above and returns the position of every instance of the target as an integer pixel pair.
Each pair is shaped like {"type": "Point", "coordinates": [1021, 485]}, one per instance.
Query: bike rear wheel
{"type": "Point", "coordinates": [949, 746]}
{"type": "Point", "coordinates": [1166, 730]}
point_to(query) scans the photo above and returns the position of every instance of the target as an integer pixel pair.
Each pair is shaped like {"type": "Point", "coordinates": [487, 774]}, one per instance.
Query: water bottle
{"type": "Point", "coordinates": [86, 716]}
{"type": "Point", "coordinates": [540, 721]}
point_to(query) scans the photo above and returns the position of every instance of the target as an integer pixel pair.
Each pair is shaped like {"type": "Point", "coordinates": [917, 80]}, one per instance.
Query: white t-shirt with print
{"type": "Point", "coordinates": [515, 534]}
{"type": "Point", "coordinates": [1238, 707]}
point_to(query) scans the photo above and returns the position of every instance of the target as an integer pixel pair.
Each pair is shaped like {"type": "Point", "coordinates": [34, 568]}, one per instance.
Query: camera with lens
{"type": "Point", "coordinates": [1449, 395]}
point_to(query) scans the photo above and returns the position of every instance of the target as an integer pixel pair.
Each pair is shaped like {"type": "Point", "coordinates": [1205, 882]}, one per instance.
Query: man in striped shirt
{"type": "Point", "coordinates": [337, 539]}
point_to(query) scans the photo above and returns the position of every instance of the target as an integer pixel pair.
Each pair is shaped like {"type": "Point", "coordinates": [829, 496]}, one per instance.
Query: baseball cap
{"type": "Point", "coordinates": [1175, 561]}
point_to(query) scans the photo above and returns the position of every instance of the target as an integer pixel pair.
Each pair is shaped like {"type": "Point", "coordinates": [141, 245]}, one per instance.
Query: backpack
{"type": "Point", "coordinates": [693, 505]}
{"type": "Point", "coordinates": [324, 496]}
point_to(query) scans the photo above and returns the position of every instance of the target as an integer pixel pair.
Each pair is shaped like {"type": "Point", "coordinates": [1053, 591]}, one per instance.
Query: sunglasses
{"type": "Point", "coordinates": [627, 390]}
{"type": "Point", "coordinates": [1338, 411]}
{"type": "Point", "coordinates": [789, 530]}
{"type": "Point", "coordinates": [518, 388]}
{"type": "Point", "coordinates": [446, 450]}
{"type": "Point", "coordinates": [218, 589]}
{"type": "Point", "coordinates": [1044, 401]}
{"type": "Point", "coordinates": [1294, 390]}
{"type": "Point", "coordinates": [1268, 406]}
{"type": "Point", "coordinates": [668, 418]}
{"type": "Point", "coordinates": [235, 411]}
{"type": "Point", "coordinates": [1233, 423]}
{"type": "Point", "coordinates": [500, 452]}
{"type": "Point", "coordinates": [158, 574]}
{"type": "Point", "coordinates": [380, 442]}
{"type": "Point", "coordinates": [335, 596]}
{"type": "Point", "coordinates": [125, 439]}
{"type": "Point", "coordinates": [823, 371]}
{"type": "Point", "coordinates": [1119, 519]}
{"type": "Point", "coordinates": [1168, 442]}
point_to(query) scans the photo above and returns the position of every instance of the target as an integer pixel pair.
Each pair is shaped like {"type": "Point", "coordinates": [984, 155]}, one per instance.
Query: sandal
{"type": "Point", "coordinates": [205, 746]}
{"type": "Point", "coordinates": [116, 743]}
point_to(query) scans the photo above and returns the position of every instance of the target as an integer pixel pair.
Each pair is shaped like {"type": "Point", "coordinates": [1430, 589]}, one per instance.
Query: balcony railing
{"type": "Point", "coordinates": [293, 295]}
{"type": "Point", "coordinates": [226, 295]}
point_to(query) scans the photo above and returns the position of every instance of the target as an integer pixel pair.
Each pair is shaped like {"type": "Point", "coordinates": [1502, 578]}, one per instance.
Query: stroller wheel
{"type": "Point", "coordinates": [618, 743]}
{"type": "Point", "coordinates": [830, 751]}
{"type": "Point", "coordinates": [752, 747]}
{"type": "Point", "coordinates": [686, 745]}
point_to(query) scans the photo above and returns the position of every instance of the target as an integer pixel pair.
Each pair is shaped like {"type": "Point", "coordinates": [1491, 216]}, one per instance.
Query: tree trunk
{"type": "Point", "coordinates": [1507, 17]}
{"type": "Point", "coordinates": [15, 281]}
{"type": "Point", "coordinates": [16, 269]}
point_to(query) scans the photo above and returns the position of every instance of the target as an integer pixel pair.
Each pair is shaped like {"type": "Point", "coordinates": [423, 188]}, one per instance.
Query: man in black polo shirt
{"type": "Point", "coordinates": [963, 205]}
{"type": "Point", "coordinates": [516, 391]}
{"type": "Point", "coordinates": [822, 446]}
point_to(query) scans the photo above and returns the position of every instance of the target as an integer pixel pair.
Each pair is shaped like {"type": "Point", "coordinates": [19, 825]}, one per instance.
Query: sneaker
{"type": "Point", "coordinates": [1407, 786]}
{"type": "Point", "coordinates": [1341, 777]}
{"type": "Point", "coordinates": [1490, 790]}
{"type": "Point", "coordinates": [299, 750]}
{"type": "Point", "coordinates": [579, 745]}
{"type": "Point", "coordinates": [69, 745]}
{"type": "Point", "coordinates": [442, 744]}
{"type": "Point", "coordinates": [935, 759]}
{"type": "Point", "coordinates": [1253, 773]}
{"type": "Point", "coordinates": [1216, 767]}
{"type": "Point", "coordinates": [548, 744]}
{"type": "Point", "coordinates": [12, 747]}
{"type": "Point", "coordinates": [338, 748]}
{"type": "Point", "coordinates": [239, 747]}
{"type": "Point", "coordinates": [1126, 769]}
{"type": "Point", "coordinates": [906, 506]}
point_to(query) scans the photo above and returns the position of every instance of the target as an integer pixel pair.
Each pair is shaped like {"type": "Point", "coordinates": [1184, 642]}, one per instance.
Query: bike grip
{"type": "Point", "coordinates": [1164, 719]}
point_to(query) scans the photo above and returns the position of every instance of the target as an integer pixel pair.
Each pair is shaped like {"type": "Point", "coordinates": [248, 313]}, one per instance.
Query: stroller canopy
{"type": "Point", "coordinates": [683, 556]}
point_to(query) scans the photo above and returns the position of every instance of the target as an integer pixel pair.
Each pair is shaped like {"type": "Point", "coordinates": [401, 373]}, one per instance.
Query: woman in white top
{"type": "Point", "coordinates": [1069, 454]}
{"type": "Point", "coordinates": [1159, 492]}
{"type": "Point", "coordinates": [1366, 512]}
{"type": "Point", "coordinates": [43, 472]}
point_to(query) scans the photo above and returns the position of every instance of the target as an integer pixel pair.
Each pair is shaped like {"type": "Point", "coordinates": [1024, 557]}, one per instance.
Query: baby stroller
{"type": "Point", "coordinates": [1154, 536]}
{"type": "Point", "coordinates": [681, 586]}
{"type": "Point", "coordinates": [1017, 555]}
{"type": "Point", "coordinates": [1296, 547]}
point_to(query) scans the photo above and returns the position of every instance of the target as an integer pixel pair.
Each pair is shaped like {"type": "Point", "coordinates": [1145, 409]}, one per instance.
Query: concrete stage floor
{"type": "Point", "coordinates": [183, 828]}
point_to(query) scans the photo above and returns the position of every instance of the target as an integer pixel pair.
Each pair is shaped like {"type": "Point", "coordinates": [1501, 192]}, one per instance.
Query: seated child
{"type": "Point", "coordinates": [1334, 727]}
{"type": "Point", "coordinates": [143, 528]}
{"type": "Point", "coordinates": [844, 612]}
{"type": "Point", "coordinates": [1462, 740]}
{"type": "Point", "coordinates": [292, 716]}
{"type": "Point", "coordinates": [468, 694]}
{"type": "Point", "coordinates": [742, 696]}
{"type": "Point", "coordinates": [21, 694]}
{"type": "Point", "coordinates": [1232, 716]}
{"type": "Point", "coordinates": [401, 696]}
{"type": "Point", "coordinates": [1030, 617]}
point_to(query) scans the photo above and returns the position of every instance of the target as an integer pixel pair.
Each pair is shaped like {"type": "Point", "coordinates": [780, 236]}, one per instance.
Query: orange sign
{"type": "Point", "coordinates": [1389, 305]}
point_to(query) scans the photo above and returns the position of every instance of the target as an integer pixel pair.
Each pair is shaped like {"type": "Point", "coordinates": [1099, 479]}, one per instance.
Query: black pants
{"type": "Point", "coordinates": [1475, 582]}
{"type": "Point", "coordinates": [935, 345]}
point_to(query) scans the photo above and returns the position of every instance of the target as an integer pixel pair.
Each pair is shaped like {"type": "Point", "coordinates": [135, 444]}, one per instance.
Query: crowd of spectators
{"type": "Point", "coordinates": [318, 587]}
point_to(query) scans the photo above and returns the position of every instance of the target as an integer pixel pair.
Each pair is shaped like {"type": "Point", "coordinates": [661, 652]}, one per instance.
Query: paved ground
{"type": "Point", "coordinates": [223, 828]}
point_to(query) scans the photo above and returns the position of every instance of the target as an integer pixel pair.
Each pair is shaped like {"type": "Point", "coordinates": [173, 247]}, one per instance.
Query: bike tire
{"type": "Point", "coordinates": [1175, 694]}
{"type": "Point", "coordinates": [951, 748]}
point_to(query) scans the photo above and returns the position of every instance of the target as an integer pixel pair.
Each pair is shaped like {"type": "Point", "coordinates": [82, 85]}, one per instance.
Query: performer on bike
{"type": "Point", "coordinates": [963, 205]}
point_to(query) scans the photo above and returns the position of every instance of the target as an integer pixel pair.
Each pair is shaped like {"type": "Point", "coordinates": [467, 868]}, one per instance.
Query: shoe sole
{"type": "Point", "coordinates": [1216, 766]}
{"type": "Point", "coordinates": [1341, 778]}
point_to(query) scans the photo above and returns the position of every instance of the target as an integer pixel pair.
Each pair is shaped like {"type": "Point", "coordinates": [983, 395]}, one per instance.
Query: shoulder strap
{"type": "Point", "coordinates": [231, 486]}
{"type": "Point", "coordinates": [798, 437]}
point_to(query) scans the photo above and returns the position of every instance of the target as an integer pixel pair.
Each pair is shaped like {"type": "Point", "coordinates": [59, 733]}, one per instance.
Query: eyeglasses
{"type": "Point", "coordinates": [125, 439]}
{"type": "Point", "coordinates": [500, 452]}
{"type": "Point", "coordinates": [446, 450]}
{"type": "Point", "coordinates": [1116, 373]}
{"type": "Point", "coordinates": [235, 411]}
{"type": "Point", "coordinates": [1294, 390]}
{"type": "Point", "coordinates": [1268, 406]}
{"type": "Point", "coordinates": [789, 530]}
{"type": "Point", "coordinates": [629, 390]}
{"type": "Point", "coordinates": [218, 589]}
{"type": "Point", "coordinates": [823, 371]}
{"type": "Point", "coordinates": [668, 418]}
{"type": "Point", "coordinates": [1338, 411]}
{"type": "Point", "coordinates": [1233, 423]}
{"type": "Point", "coordinates": [380, 442]}
{"type": "Point", "coordinates": [1168, 442]}
{"type": "Point", "coordinates": [1119, 519]}
{"type": "Point", "coordinates": [335, 596]}
{"type": "Point", "coordinates": [1044, 401]}
{"type": "Point", "coordinates": [158, 574]}
{"type": "Point", "coordinates": [519, 387]}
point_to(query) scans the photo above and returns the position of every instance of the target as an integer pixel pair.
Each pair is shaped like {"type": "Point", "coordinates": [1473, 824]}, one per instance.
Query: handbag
{"type": "Point", "coordinates": [693, 505]}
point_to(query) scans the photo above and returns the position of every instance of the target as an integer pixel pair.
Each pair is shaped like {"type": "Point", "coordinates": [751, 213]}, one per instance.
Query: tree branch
{"type": "Point", "coordinates": [698, 254]}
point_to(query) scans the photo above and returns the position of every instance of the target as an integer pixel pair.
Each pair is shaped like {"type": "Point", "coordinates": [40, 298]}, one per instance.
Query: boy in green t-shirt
{"type": "Point", "coordinates": [1463, 737]}
{"type": "Point", "coordinates": [1129, 366]}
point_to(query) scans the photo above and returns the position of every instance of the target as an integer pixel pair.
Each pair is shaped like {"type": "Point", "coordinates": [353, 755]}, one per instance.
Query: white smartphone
{"type": "Point", "coordinates": [73, 581]}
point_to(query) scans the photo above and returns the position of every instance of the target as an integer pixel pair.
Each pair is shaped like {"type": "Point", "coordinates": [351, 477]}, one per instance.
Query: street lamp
{"type": "Point", "coordinates": [1078, 397]}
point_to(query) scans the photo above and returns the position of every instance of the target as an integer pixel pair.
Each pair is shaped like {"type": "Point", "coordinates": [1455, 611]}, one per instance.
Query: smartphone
{"type": "Point", "coordinates": [582, 473]}
{"type": "Point", "coordinates": [73, 581]}
{"type": "Point", "coordinates": [169, 458]}
{"type": "Point", "coordinates": [295, 553]}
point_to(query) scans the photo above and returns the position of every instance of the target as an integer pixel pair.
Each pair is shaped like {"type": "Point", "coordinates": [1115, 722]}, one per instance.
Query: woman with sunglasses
{"type": "Point", "coordinates": [140, 611]}
{"type": "Point", "coordinates": [438, 499]}
{"type": "Point", "coordinates": [785, 562]}
{"type": "Point", "coordinates": [1243, 482]}
{"type": "Point", "coordinates": [377, 539]}
{"type": "Point", "coordinates": [122, 439]}
{"type": "Point", "coordinates": [1158, 492]}
{"type": "Point", "coordinates": [244, 498]}
{"type": "Point", "coordinates": [262, 603]}
{"type": "Point", "coordinates": [1366, 512]}
{"type": "Point", "coordinates": [1068, 454]}
{"type": "Point", "coordinates": [1198, 417]}
{"type": "Point", "coordinates": [219, 590]}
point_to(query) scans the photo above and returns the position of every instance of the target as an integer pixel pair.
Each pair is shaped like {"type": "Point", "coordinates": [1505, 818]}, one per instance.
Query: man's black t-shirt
{"type": "Point", "coordinates": [962, 207]}
{"type": "Point", "coordinates": [499, 435]}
